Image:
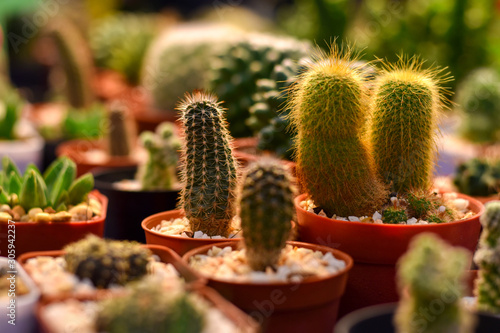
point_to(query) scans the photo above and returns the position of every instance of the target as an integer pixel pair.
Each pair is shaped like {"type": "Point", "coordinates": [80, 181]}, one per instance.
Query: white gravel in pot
{"type": "Point", "coordinates": [180, 227]}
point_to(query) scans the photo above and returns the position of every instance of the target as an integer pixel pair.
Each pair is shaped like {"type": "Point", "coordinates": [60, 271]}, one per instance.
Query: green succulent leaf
{"type": "Point", "coordinates": [63, 182]}
{"type": "Point", "coordinates": [80, 188]}
{"type": "Point", "coordinates": [15, 183]}
{"type": "Point", "coordinates": [4, 197]}
{"type": "Point", "coordinates": [33, 191]}
{"type": "Point", "coordinates": [8, 166]}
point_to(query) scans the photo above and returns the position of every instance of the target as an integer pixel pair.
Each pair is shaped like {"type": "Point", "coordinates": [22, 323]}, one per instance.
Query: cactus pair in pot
{"type": "Point", "coordinates": [354, 146]}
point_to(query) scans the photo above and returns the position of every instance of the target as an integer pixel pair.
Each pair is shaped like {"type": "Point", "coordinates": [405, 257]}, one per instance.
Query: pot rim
{"type": "Point", "coordinates": [73, 149]}
{"type": "Point", "coordinates": [475, 202]}
{"type": "Point", "coordinates": [310, 280]}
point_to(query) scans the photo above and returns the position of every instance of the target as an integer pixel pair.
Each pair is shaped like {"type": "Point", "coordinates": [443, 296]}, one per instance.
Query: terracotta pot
{"type": "Point", "coordinates": [485, 200]}
{"type": "Point", "coordinates": [166, 255]}
{"type": "Point", "coordinates": [308, 306]}
{"type": "Point", "coordinates": [30, 236]}
{"type": "Point", "coordinates": [378, 319]}
{"type": "Point", "coordinates": [77, 149]}
{"type": "Point", "coordinates": [109, 84]}
{"type": "Point", "coordinates": [124, 217]}
{"type": "Point", "coordinates": [177, 243]}
{"type": "Point", "coordinates": [376, 248]}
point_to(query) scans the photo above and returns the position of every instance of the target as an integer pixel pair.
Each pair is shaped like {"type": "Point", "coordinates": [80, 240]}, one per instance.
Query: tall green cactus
{"type": "Point", "coordinates": [431, 281]}
{"type": "Point", "coordinates": [488, 260]}
{"type": "Point", "coordinates": [119, 134]}
{"type": "Point", "coordinates": [208, 166]}
{"type": "Point", "coordinates": [266, 211]}
{"type": "Point", "coordinates": [329, 112]}
{"type": "Point", "coordinates": [406, 104]}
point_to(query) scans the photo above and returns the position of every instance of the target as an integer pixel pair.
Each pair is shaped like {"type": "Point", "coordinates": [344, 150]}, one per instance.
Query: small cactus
{"type": "Point", "coordinates": [488, 259]}
{"type": "Point", "coordinates": [10, 110]}
{"type": "Point", "coordinates": [106, 262]}
{"type": "Point", "coordinates": [209, 169]}
{"type": "Point", "coordinates": [119, 131]}
{"type": "Point", "coordinates": [83, 125]}
{"type": "Point", "coordinates": [431, 284]}
{"type": "Point", "coordinates": [334, 162]}
{"type": "Point", "coordinates": [159, 170]}
{"type": "Point", "coordinates": [478, 177]}
{"type": "Point", "coordinates": [266, 211]}
{"type": "Point", "coordinates": [394, 215]}
{"type": "Point", "coordinates": [406, 104]}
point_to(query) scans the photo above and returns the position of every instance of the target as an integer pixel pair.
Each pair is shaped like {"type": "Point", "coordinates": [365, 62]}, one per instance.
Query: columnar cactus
{"type": "Point", "coordinates": [406, 105]}
{"type": "Point", "coordinates": [431, 283]}
{"type": "Point", "coordinates": [209, 169]}
{"type": "Point", "coordinates": [266, 211]}
{"type": "Point", "coordinates": [119, 133]}
{"type": "Point", "coordinates": [334, 163]}
{"type": "Point", "coordinates": [159, 170]}
{"type": "Point", "coordinates": [488, 260]}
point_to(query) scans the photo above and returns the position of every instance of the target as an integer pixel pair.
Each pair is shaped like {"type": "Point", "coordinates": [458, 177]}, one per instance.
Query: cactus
{"type": "Point", "coordinates": [266, 210]}
{"type": "Point", "coordinates": [10, 110]}
{"type": "Point", "coordinates": [488, 259]}
{"type": "Point", "coordinates": [478, 177]}
{"type": "Point", "coordinates": [106, 262]}
{"type": "Point", "coordinates": [394, 215]}
{"type": "Point", "coordinates": [159, 170]}
{"type": "Point", "coordinates": [406, 105]}
{"type": "Point", "coordinates": [431, 284]}
{"type": "Point", "coordinates": [119, 133]}
{"type": "Point", "coordinates": [237, 70]}
{"type": "Point", "coordinates": [75, 59]}
{"type": "Point", "coordinates": [334, 163]}
{"type": "Point", "coordinates": [209, 169]}
{"type": "Point", "coordinates": [146, 309]}
{"type": "Point", "coordinates": [84, 125]}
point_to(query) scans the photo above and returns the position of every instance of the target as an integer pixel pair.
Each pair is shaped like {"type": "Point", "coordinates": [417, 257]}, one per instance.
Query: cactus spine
{"type": "Point", "coordinates": [118, 136]}
{"type": "Point", "coordinates": [405, 107]}
{"type": "Point", "coordinates": [488, 260]}
{"type": "Point", "coordinates": [208, 166]}
{"type": "Point", "coordinates": [329, 112]}
{"type": "Point", "coordinates": [431, 277]}
{"type": "Point", "coordinates": [266, 211]}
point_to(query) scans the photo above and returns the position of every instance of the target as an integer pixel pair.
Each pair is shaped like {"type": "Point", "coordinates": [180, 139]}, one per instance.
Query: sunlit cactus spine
{"type": "Point", "coordinates": [431, 283]}
{"type": "Point", "coordinates": [119, 132]}
{"type": "Point", "coordinates": [488, 260]}
{"type": "Point", "coordinates": [266, 211]}
{"type": "Point", "coordinates": [209, 169]}
{"type": "Point", "coordinates": [334, 162]}
{"type": "Point", "coordinates": [406, 104]}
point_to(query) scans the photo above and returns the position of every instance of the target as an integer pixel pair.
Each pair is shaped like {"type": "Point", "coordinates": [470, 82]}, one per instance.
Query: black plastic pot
{"type": "Point", "coordinates": [378, 319]}
{"type": "Point", "coordinates": [127, 209]}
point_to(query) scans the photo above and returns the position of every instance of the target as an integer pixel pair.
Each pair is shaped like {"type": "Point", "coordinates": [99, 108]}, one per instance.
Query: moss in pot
{"type": "Point", "coordinates": [308, 279]}
{"type": "Point", "coordinates": [153, 185]}
{"type": "Point", "coordinates": [355, 144]}
{"type": "Point", "coordinates": [208, 177]}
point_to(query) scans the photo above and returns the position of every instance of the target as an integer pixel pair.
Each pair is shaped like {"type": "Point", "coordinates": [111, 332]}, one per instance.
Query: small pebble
{"type": "Point", "coordinates": [5, 217]}
{"type": "Point", "coordinates": [42, 217]}
{"type": "Point", "coordinates": [353, 218]}
{"type": "Point", "coordinates": [411, 221]}
{"type": "Point", "coordinates": [377, 216]}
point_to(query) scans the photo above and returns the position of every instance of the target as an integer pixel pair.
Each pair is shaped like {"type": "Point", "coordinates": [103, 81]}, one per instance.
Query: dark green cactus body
{"type": "Point", "coordinates": [106, 262]}
{"type": "Point", "coordinates": [119, 134]}
{"type": "Point", "coordinates": [478, 177]}
{"type": "Point", "coordinates": [266, 211]}
{"type": "Point", "coordinates": [431, 276]}
{"type": "Point", "coordinates": [404, 128]}
{"type": "Point", "coordinates": [488, 260]}
{"type": "Point", "coordinates": [394, 215]}
{"type": "Point", "coordinates": [334, 162]}
{"type": "Point", "coordinates": [209, 168]}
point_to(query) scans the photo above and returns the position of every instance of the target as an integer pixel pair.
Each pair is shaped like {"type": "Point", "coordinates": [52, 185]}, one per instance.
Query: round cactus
{"type": "Point", "coordinates": [406, 104]}
{"type": "Point", "coordinates": [488, 259]}
{"type": "Point", "coordinates": [266, 211]}
{"type": "Point", "coordinates": [209, 169]}
{"type": "Point", "coordinates": [478, 177]}
{"type": "Point", "coordinates": [334, 162]}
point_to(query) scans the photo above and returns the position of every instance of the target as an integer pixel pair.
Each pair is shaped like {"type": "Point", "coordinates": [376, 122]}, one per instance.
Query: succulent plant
{"type": "Point", "coordinates": [57, 188]}
{"type": "Point", "coordinates": [478, 99]}
{"type": "Point", "coordinates": [487, 258]}
{"type": "Point", "coordinates": [159, 170]}
{"type": "Point", "coordinates": [84, 124]}
{"type": "Point", "coordinates": [106, 262]}
{"type": "Point", "coordinates": [10, 110]}
{"type": "Point", "coordinates": [119, 132]}
{"type": "Point", "coordinates": [334, 162]}
{"type": "Point", "coordinates": [145, 309]}
{"type": "Point", "coordinates": [478, 177]}
{"type": "Point", "coordinates": [119, 42]}
{"type": "Point", "coordinates": [236, 72]}
{"type": "Point", "coordinates": [431, 282]}
{"type": "Point", "coordinates": [266, 211]}
{"type": "Point", "coordinates": [208, 168]}
{"type": "Point", "coordinates": [406, 104]}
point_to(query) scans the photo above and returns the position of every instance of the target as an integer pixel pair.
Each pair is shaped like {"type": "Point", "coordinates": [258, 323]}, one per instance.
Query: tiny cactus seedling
{"type": "Point", "coordinates": [266, 211]}
{"type": "Point", "coordinates": [334, 162]}
{"type": "Point", "coordinates": [394, 215]}
{"type": "Point", "coordinates": [406, 104]}
{"type": "Point", "coordinates": [159, 170]}
{"type": "Point", "coordinates": [431, 283]}
{"type": "Point", "coordinates": [106, 262]}
{"type": "Point", "coordinates": [209, 169]}
{"type": "Point", "coordinates": [488, 259]}
{"type": "Point", "coordinates": [119, 132]}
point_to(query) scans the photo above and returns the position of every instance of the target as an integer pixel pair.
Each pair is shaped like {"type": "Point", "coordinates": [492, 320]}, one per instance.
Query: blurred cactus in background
{"type": "Point", "coordinates": [478, 177]}
{"type": "Point", "coordinates": [10, 111]}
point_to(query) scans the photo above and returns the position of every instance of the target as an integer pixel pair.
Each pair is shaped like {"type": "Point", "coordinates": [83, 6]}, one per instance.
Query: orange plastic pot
{"type": "Point", "coordinates": [307, 306]}
{"type": "Point", "coordinates": [376, 248]}
{"type": "Point", "coordinates": [179, 244]}
{"type": "Point", "coordinates": [30, 236]}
